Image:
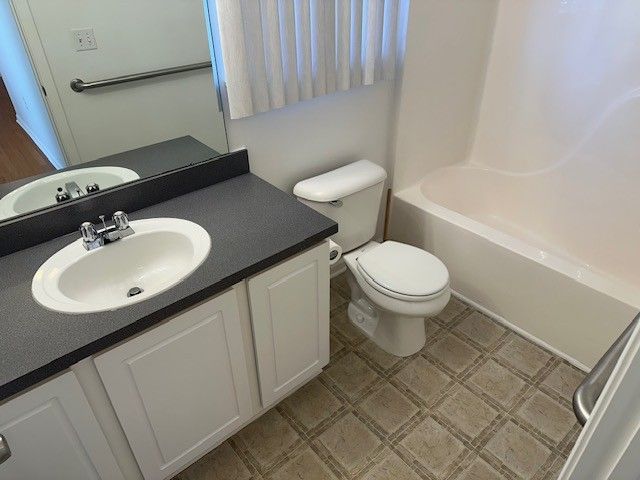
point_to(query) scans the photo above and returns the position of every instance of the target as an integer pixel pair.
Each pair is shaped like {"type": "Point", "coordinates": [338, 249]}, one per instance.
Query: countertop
{"type": "Point", "coordinates": [253, 225]}
{"type": "Point", "coordinates": [145, 161]}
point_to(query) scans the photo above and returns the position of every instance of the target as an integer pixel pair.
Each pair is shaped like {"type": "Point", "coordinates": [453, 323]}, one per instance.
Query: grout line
{"type": "Point", "coordinates": [355, 381]}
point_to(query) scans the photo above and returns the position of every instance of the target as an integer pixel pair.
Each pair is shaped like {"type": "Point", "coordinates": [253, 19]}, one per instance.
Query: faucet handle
{"type": "Point", "coordinates": [121, 220]}
{"type": "Point", "coordinates": [88, 231]}
{"type": "Point", "coordinates": [92, 187]}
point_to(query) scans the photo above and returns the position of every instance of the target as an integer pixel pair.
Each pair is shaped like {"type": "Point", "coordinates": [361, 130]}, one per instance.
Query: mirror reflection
{"type": "Point", "coordinates": [97, 94]}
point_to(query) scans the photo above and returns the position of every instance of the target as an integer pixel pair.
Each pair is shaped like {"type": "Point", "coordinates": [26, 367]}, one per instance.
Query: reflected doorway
{"type": "Point", "coordinates": [19, 155]}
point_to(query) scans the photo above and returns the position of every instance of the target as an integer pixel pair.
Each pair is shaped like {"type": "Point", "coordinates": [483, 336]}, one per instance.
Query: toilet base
{"type": "Point", "coordinates": [399, 335]}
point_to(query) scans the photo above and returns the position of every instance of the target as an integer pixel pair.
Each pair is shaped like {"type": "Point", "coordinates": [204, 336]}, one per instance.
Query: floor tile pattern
{"type": "Point", "coordinates": [478, 402]}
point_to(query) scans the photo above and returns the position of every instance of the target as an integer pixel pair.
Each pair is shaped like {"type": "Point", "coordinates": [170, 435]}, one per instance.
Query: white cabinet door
{"type": "Point", "coordinates": [53, 435]}
{"type": "Point", "coordinates": [181, 387]}
{"type": "Point", "coordinates": [290, 318]}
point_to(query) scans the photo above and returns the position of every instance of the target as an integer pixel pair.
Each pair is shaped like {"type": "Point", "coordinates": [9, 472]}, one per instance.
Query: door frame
{"type": "Point", "coordinates": [609, 444]}
{"type": "Point", "coordinates": [40, 66]}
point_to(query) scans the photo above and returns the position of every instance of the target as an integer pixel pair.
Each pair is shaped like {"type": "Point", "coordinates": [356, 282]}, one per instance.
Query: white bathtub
{"type": "Point", "coordinates": [561, 267]}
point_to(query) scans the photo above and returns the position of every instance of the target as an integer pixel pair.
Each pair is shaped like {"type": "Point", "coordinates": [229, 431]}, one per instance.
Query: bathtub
{"type": "Point", "coordinates": [533, 251]}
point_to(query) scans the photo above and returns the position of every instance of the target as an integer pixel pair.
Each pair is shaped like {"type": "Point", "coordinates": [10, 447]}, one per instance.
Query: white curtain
{"type": "Point", "coordinates": [278, 52]}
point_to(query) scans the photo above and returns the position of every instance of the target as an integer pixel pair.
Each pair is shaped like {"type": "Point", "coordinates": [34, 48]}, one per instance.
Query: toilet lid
{"type": "Point", "coordinates": [403, 269]}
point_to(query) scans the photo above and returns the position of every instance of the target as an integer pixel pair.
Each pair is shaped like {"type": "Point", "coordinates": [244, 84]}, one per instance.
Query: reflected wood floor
{"type": "Point", "coordinates": [479, 402]}
{"type": "Point", "coordinates": [19, 156]}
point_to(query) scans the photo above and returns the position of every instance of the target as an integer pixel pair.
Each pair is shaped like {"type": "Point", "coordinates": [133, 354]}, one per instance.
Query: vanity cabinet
{"type": "Point", "coordinates": [290, 319]}
{"type": "Point", "coordinates": [52, 434]}
{"type": "Point", "coordinates": [177, 390]}
{"type": "Point", "coordinates": [180, 388]}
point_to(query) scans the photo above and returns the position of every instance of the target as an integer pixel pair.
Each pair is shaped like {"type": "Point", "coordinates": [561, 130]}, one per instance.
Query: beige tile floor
{"type": "Point", "coordinates": [478, 402]}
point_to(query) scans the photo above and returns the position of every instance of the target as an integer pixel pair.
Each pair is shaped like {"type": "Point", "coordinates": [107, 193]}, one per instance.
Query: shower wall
{"type": "Point", "coordinates": [520, 86]}
{"type": "Point", "coordinates": [447, 51]}
{"type": "Point", "coordinates": [561, 83]}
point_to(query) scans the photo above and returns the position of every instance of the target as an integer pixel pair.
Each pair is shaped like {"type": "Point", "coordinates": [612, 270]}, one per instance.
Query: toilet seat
{"type": "Point", "coordinates": [393, 320]}
{"type": "Point", "coordinates": [403, 272]}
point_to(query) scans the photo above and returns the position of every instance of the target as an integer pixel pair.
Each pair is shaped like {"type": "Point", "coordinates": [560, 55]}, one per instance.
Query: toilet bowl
{"type": "Point", "coordinates": [394, 287]}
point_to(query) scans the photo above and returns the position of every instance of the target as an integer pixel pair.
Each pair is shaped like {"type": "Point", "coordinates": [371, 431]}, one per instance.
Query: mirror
{"type": "Point", "coordinates": [95, 94]}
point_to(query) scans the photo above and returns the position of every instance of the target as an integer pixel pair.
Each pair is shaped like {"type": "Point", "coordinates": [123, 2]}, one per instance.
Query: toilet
{"type": "Point", "coordinates": [394, 286]}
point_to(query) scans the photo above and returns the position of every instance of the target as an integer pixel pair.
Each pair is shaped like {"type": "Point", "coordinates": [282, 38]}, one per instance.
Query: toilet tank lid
{"type": "Point", "coordinates": [340, 182]}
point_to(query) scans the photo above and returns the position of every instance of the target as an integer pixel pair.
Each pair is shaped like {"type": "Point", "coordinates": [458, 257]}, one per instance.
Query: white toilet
{"type": "Point", "coordinates": [394, 286]}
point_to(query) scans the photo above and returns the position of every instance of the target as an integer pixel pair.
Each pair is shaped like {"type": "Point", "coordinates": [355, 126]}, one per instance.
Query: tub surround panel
{"type": "Point", "coordinates": [556, 69]}
{"type": "Point", "coordinates": [448, 46]}
{"type": "Point", "coordinates": [34, 228]}
{"type": "Point", "coordinates": [252, 224]}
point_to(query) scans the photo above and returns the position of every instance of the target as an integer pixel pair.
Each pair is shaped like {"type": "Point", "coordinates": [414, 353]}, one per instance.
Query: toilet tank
{"type": "Point", "coordinates": [350, 196]}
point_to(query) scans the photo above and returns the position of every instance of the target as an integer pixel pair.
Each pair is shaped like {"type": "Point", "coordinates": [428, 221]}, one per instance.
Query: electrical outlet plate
{"type": "Point", "coordinates": [84, 39]}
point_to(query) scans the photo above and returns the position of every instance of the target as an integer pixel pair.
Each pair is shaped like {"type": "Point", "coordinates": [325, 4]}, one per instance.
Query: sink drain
{"type": "Point", "coordinates": [134, 291]}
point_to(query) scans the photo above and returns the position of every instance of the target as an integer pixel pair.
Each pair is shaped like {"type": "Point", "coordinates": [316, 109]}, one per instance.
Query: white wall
{"type": "Point", "coordinates": [447, 51]}
{"type": "Point", "coordinates": [311, 137]}
{"type": "Point", "coordinates": [132, 37]}
{"type": "Point", "coordinates": [448, 45]}
{"type": "Point", "coordinates": [314, 136]}
{"type": "Point", "coordinates": [23, 88]}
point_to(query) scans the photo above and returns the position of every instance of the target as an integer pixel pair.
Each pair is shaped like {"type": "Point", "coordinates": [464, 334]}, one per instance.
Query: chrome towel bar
{"type": "Point", "coordinates": [78, 85]}
{"type": "Point", "coordinates": [587, 394]}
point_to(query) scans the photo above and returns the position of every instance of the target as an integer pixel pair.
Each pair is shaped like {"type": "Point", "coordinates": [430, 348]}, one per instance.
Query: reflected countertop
{"type": "Point", "coordinates": [145, 161]}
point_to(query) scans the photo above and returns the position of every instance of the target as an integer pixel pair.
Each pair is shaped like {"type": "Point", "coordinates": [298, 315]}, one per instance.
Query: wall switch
{"type": "Point", "coordinates": [84, 39]}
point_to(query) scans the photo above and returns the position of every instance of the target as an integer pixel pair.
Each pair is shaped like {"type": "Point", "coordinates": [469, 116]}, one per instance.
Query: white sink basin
{"type": "Point", "coordinates": [161, 253]}
{"type": "Point", "coordinates": [42, 192]}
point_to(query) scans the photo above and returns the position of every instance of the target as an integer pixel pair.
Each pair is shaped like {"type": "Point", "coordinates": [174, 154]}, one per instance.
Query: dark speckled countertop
{"type": "Point", "coordinates": [252, 224]}
{"type": "Point", "coordinates": [145, 161]}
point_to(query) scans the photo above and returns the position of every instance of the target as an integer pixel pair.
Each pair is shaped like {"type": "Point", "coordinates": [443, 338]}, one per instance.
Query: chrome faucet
{"type": "Point", "coordinates": [73, 190]}
{"type": "Point", "coordinates": [93, 238]}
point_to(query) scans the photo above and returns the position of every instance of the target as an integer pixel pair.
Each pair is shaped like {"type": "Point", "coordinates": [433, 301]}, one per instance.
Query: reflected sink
{"type": "Point", "coordinates": [42, 192]}
{"type": "Point", "coordinates": [160, 254]}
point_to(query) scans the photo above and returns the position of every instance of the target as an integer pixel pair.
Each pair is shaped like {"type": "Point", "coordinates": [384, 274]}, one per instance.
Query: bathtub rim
{"type": "Point", "coordinates": [596, 280]}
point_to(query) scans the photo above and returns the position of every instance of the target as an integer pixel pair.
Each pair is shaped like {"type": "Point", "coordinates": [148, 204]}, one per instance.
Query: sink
{"type": "Point", "coordinates": [42, 192]}
{"type": "Point", "coordinates": [160, 254]}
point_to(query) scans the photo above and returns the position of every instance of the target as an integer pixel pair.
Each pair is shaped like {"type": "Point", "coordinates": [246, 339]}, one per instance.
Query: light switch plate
{"type": "Point", "coordinates": [84, 39]}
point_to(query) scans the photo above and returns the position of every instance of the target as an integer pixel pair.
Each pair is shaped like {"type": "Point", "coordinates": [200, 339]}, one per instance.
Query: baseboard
{"type": "Point", "coordinates": [503, 321]}
{"type": "Point", "coordinates": [52, 159]}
